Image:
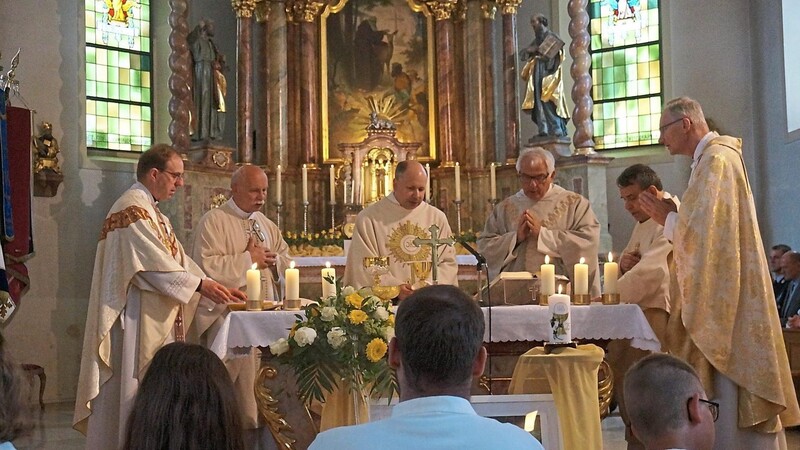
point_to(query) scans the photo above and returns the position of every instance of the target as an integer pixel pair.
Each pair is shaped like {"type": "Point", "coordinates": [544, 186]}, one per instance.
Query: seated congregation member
{"type": "Point", "coordinates": [437, 351]}
{"type": "Point", "coordinates": [667, 405]}
{"type": "Point", "coordinates": [14, 420]}
{"type": "Point", "coordinates": [388, 228]}
{"type": "Point", "coordinates": [778, 280]}
{"type": "Point", "coordinates": [789, 301]}
{"type": "Point", "coordinates": [541, 219]}
{"type": "Point", "coordinates": [186, 401]}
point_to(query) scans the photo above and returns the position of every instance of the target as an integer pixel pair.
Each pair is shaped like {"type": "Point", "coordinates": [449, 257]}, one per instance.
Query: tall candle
{"type": "Point", "coordinates": [560, 320]}
{"type": "Point", "coordinates": [305, 184]}
{"type": "Point", "coordinates": [253, 277]}
{"type": "Point", "coordinates": [548, 277]}
{"type": "Point", "coordinates": [493, 181]}
{"type": "Point", "coordinates": [279, 188]}
{"type": "Point", "coordinates": [292, 278]}
{"type": "Point", "coordinates": [363, 199]}
{"type": "Point", "coordinates": [458, 182]}
{"type": "Point", "coordinates": [580, 285]}
{"type": "Point", "coordinates": [428, 183]}
{"type": "Point", "coordinates": [328, 289]}
{"type": "Point", "coordinates": [610, 276]}
{"type": "Point", "coordinates": [332, 177]}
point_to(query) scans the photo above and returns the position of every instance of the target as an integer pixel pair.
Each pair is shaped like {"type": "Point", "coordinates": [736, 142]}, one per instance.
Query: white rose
{"type": "Point", "coordinates": [381, 313]}
{"type": "Point", "coordinates": [347, 290]}
{"type": "Point", "coordinates": [328, 313]}
{"type": "Point", "coordinates": [388, 333]}
{"type": "Point", "coordinates": [305, 336]}
{"type": "Point", "coordinates": [279, 347]}
{"type": "Point", "coordinates": [336, 337]}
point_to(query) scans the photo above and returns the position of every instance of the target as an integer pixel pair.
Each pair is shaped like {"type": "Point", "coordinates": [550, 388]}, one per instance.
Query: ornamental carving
{"type": "Point", "coordinates": [243, 8]}
{"type": "Point", "coordinates": [489, 9]}
{"type": "Point", "coordinates": [442, 9]}
{"type": "Point", "coordinates": [304, 10]}
{"type": "Point", "coordinates": [509, 6]}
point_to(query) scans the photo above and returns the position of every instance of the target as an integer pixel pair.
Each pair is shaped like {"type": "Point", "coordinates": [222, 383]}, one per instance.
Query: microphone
{"type": "Point", "coordinates": [472, 251]}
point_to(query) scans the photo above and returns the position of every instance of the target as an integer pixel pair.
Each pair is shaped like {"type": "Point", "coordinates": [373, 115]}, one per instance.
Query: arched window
{"type": "Point", "coordinates": [119, 105]}
{"type": "Point", "coordinates": [626, 72]}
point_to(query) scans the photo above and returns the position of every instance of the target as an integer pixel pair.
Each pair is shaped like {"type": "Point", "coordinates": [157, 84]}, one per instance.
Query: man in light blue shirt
{"type": "Point", "coordinates": [437, 350]}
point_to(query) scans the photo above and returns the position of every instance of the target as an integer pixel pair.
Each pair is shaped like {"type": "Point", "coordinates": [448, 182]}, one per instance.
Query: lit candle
{"type": "Point", "coordinates": [560, 320]}
{"type": "Point", "coordinates": [428, 183]}
{"type": "Point", "coordinates": [548, 277]}
{"type": "Point", "coordinates": [580, 285]}
{"type": "Point", "coordinates": [458, 182]}
{"type": "Point", "coordinates": [332, 177]}
{"type": "Point", "coordinates": [328, 289]}
{"type": "Point", "coordinates": [253, 288]}
{"type": "Point", "coordinates": [610, 276]}
{"type": "Point", "coordinates": [292, 282]}
{"type": "Point", "coordinates": [305, 184]}
{"type": "Point", "coordinates": [493, 181]}
{"type": "Point", "coordinates": [279, 188]}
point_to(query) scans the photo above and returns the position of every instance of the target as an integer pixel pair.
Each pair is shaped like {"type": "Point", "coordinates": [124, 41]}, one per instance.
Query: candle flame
{"type": "Point", "coordinates": [610, 257]}
{"type": "Point", "coordinates": [559, 288]}
{"type": "Point", "coordinates": [254, 266]}
{"type": "Point", "coordinates": [583, 261]}
{"type": "Point", "coordinates": [291, 265]}
{"type": "Point", "coordinates": [327, 264]}
{"type": "Point", "coordinates": [279, 167]}
{"type": "Point", "coordinates": [547, 259]}
{"type": "Point", "coordinates": [304, 166]}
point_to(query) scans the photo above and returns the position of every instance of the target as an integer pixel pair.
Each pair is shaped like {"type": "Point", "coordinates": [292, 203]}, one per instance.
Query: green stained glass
{"type": "Point", "coordinates": [125, 92]}
{"type": "Point", "coordinates": [631, 86]}
{"type": "Point", "coordinates": [146, 95]}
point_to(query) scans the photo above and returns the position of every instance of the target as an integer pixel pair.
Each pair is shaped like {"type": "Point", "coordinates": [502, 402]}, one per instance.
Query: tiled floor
{"type": "Point", "coordinates": [54, 431]}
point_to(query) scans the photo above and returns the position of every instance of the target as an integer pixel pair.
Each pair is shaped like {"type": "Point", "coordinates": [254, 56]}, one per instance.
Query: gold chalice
{"type": "Point", "coordinates": [378, 266]}
{"type": "Point", "coordinates": [420, 271]}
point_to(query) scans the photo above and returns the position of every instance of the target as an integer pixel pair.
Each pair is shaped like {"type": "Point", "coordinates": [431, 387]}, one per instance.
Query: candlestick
{"type": "Point", "coordinates": [332, 178]}
{"type": "Point", "coordinates": [428, 183]}
{"type": "Point", "coordinates": [279, 185]}
{"type": "Point", "coordinates": [458, 203]}
{"type": "Point", "coordinates": [560, 320]}
{"type": "Point", "coordinates": [305, 217]}
{"type": "Point", "coordinates": [363, 186]}
{"type": "Point", "coordinates": [580, 286]}
{"type": "Point", "coordinates": [492, 181]}
{"type": "Point", "coordinates": [253, 277]}
{"type": "Point", "coordinates": [292, 277]}
{"type": "Point", "coordinates": [305, 184]}
{"type": "Point", "coordinates": [610, 276]}
{"type": "Point", "coordinates": [458, 182]}
{"type": "Point", "coordinates": [278, 208]}
{"type": "Point", "coordinates": [328, 289]}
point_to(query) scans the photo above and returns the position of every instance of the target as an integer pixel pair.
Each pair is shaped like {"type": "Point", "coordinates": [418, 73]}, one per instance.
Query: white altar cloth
{"type": "Point", "coordinates": [245, 329]}
{"type": "Point", "coordinates": [319, 261]}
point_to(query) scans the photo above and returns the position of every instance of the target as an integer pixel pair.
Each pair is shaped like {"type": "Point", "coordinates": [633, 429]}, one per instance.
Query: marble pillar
{"type": "Point", "coordinates": [489, 8]}
{"type": "Point", "coordinates": [582, 88]}
{"type": "Point", "coordinates": [476, 87]}
{"type": "Point", "coordinates": [510, 78]}
{"type": "Point", "coordinates": [180, 80]}
{"type": "Point", "coordinates": [244, 79]}
{"type": "Point", "coordinates": [442, 11]}
{"type": "Point", "coordinates": [306, 14]}
{"type": "Point", "coordinates": [293, 84]}
{"type": "Point", "coordinates": [277, 98]}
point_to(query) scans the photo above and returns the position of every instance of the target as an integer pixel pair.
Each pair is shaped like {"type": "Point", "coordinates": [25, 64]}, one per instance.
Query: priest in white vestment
{"type": "Point", "coordinates": [144, 292]}
{"type": "Point", "coordinates": [541, 219]}
{"type": "Point", "coordinates": [389, 227]}
{"type": "Point", "coordinates": [645, 276]}
{"type": "Point", "coordinates": [227, 242]}
{"type": "Point", "coordinates": [723, 318]}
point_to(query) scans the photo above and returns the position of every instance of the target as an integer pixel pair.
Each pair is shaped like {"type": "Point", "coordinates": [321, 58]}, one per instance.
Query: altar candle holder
{"type": "Point", "coordinates": [458, 215]}
{"type": "Point", "coordinates": [333, 215]}
{"type": "Point", "coordinates": [581, 299]}
{"type": "Point", "coordinates": [305, 218]}
{"type": "Point", "coordinates": [610, 299]}
{"type": "Point", "coordinates": [279, 208]}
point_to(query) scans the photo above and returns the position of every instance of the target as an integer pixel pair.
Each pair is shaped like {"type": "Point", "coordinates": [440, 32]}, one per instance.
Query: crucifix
{"type": "Point", "coordinates": [434, 242]}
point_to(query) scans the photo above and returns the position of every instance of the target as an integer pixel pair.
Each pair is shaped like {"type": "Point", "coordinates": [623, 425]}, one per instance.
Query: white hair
{"type": "Point", "coordinates": [538, 153]}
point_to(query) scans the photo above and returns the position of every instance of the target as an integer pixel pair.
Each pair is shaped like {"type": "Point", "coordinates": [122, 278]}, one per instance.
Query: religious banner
{"type": "Point", "coordinates": [377, 57]}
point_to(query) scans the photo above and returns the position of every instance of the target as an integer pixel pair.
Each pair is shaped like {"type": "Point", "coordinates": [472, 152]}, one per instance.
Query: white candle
{"type": "Point", "coordinates": [458, 182]}
{"type": "Point", "coordinates": [493, 182]}
{"type": "Point", "coordinates": [363, 186]}
{"type": "Point", "coordinates": [328, 289]}
{"type": "Point", "coordinates": [279, 188]}
{"type": "Point", "coordinates": [305, 184]}
{"type": "Point", "coordinates": [332, 177]}
{"type": "Point", "coordinates": [560, 320]}
{"type": "Point", "coordinates": [428, 183]}
{"type": "Point", "coordinates": [580, 285]}
{"type": "Point", "coordinates": [548, 277]}
{"type": "Point", "coordinates": [253, 277]}
{"type": "Point", "coordinates": [292, 278]}
{"type": "Point", "coordinates": [610, 276]}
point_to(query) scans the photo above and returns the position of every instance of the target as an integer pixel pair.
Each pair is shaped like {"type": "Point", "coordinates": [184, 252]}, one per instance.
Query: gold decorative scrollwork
{"type": "Point", "coordinates": [262, 10]}
{"type": "Point", "coordinates": [401, 245]}
{"type": "Point", "coordinates": [509, 6]}
{"type": "Point", "coordinates": [268, 409]}
{"type": "Point", "coordinates": [218, 200]}
{"type": "Point", "coordinates": [489, 9]}
{"type": "Point", "coordinates": [442, 9]}
{"type": "Point", "coordinates": [304, 10]}
{"type": "Point", "coordinates": [605, 388]}
{"type": "Point", "coordinates": [243, 8]}
{"type": "Point", "coordinates": [221, 159]}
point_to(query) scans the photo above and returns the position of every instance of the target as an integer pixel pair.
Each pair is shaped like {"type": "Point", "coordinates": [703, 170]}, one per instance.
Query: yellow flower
{"type": "Point", "coordinates": [391, 319]}
{"type": "Point", "coordinates": [357, 316]}
{"type": "Point", "coordinates": [291, 332]}
{"type": "Point", "coordinates": [376, 349]}
{"type": "Point", "coordinates": [355, 300]}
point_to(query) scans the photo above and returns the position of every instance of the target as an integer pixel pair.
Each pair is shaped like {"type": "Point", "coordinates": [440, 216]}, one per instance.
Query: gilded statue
{"type": "Point", "coordinates": [46, 149]}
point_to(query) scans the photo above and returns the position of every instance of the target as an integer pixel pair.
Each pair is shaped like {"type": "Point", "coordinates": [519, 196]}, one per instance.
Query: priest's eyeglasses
{"type": "Point", "coordinates": [667, 125]}
{"type": "Point", "coordinates": [713, 406]}
{"type": "Point", "coordinates": [526, 179]}
{"type": "Point", "coordinates": [174, 175]}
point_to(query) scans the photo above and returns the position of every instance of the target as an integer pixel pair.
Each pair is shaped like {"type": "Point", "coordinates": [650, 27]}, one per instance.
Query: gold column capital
{"type": "Point", "coordinates": [243, 8]}
{"type": "Point", "coordinates": [442, 9]}
{"type": "Point", "coordinates": [509, 6]}
{"type": "Point", "coordinates": [489, 8]}
{"type": "Point", "coordinates": [304, 10]}
{"type": "Point", "coordinates": [262, 11]}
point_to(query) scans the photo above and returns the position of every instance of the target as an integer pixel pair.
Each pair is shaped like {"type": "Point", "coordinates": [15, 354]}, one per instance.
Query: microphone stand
{"type": "Point", "coordinates": [481, 266]}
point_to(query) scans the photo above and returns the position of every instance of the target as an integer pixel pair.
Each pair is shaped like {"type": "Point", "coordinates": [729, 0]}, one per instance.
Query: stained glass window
{"type": "Point", "coordinates": [626, 72]}
{"type": "Point", "coordinates": [119, 103]}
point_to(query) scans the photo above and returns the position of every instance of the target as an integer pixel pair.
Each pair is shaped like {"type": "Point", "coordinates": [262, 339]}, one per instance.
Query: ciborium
{"type": "Point", "coordinates": [378, 266]}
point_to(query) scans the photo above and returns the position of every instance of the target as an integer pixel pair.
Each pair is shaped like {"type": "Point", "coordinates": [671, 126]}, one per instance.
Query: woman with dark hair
{"type": "Point", "coordinates": [13, 421]}
{"type": "Point", "coordinates": [186, 401]}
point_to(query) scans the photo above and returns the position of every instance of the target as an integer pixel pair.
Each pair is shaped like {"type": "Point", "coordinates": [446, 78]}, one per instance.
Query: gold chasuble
{"type": "Point", "coordinates": [142, 278]}
{"type": "Point", "coordinates": [388, 229]}
{"type": "Point", "coordinates": [723, 307]}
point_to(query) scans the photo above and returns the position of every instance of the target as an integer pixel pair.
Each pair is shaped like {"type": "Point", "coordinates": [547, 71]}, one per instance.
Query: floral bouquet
{"type": "Point", "coordinates": [342, 341]}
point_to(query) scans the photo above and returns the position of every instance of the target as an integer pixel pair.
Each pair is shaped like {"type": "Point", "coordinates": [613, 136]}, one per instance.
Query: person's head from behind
{"type": "Point", "coordinates": [160, 170]}
{"type": "Point", "coordinates": [667, 405]}
{"type": "Point", "coordinates": [438, 343]}
{"type": "Point", "coordinates": [14, 414]}
{"type": "Point", "coordinates": [249, 188]}
{"type": "Point", "coordinates": [633, 181]}
{"type": "Point", "coordinates": [410, 178]}
{"type": "Point", "coordinates": [186, 400]}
